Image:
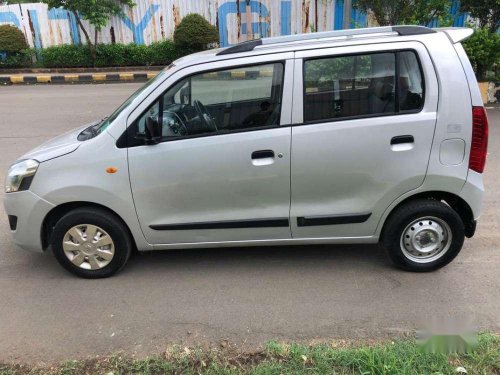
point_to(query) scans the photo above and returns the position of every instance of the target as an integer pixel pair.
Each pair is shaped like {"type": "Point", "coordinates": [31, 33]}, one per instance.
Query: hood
{"type": "Point", "coordinates": [58, 146]}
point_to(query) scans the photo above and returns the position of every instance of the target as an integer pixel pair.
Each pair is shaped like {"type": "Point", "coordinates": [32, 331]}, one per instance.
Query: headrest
{"type": "Point", "coordinates": [382, 88]}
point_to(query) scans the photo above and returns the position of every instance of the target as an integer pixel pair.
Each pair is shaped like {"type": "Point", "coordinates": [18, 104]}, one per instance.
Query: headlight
{"type": "Point", "coordinates": [20, 175]}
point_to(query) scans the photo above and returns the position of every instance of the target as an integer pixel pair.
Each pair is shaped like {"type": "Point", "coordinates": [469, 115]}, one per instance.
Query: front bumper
{"type": "Point", "coordinates": [30, 211]}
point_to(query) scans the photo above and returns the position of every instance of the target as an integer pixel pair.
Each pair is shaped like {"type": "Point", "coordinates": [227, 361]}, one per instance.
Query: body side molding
{"type": "Point", "coordinates": [307, 221]}
{"type": "Point", "coordinates": [229, 224]}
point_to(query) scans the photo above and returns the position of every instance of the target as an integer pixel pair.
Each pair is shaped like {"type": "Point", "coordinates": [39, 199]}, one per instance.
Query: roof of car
{"type": "Point", "coordinates": [296, 42]}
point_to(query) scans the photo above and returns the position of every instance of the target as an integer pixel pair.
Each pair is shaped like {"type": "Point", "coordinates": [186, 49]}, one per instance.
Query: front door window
{"type": "Point", "coordinates": [218, 102]}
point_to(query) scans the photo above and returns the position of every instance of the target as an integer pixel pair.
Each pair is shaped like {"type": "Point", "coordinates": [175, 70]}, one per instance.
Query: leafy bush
{"type": "Point", "coordinates": [163, 53]}
{"type": "Point", "coordinates": [195, 33]}
{"type": "Point", "coordinates": [21, 59]}
{"type": "Point", "coordinates": [66, 56]}
{"type": "Point", "coordinates": [12, 39]}
{"type": "Point", "coordinates": [483, 49]}
{"type": "Point", "coordinates": [109, 55]}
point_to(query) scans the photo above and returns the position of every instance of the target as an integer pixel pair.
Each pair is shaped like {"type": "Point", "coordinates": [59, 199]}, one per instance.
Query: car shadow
{"type": "Point", "coordinates": [274, 257]}
{"type": "Point", "coordinates": [234, 261]}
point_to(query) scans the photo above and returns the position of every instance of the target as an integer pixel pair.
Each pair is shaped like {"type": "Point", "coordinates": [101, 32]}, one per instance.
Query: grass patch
{"type": "Point", "coordinates": [400, 357]}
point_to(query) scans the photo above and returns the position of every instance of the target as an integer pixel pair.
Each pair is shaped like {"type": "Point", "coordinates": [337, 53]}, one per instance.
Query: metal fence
{"type": "Point", "coordinates": [155, 20]}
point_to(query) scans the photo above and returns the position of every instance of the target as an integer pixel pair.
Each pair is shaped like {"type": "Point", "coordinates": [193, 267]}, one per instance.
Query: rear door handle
{"type": "Point", "coordinates": [262, 154]}
{"type": "Point", "coordinates": [402, 139]}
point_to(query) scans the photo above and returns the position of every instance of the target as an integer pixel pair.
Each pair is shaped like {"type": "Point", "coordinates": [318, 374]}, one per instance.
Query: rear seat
{"type": "Point", "coordinates": [377, 98]}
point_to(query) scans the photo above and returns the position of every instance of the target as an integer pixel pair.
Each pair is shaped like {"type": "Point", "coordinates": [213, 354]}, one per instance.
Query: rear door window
{"type": "Point", "coordinates": [362, 85]}
{"type": "Point", "coordinates": [411, 84]}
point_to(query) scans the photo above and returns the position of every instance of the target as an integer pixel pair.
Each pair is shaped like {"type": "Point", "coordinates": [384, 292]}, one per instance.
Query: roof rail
{"type": "Point", "coordinates": [400, 30]}
{"type": "Point", "coordinates": [241, 47]}
{"type": "Point", "coordinates": [412, 30]}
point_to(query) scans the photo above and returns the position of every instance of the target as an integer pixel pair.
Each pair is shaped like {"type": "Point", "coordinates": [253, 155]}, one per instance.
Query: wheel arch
{"type": "Point", "coordinates": [59, 211]}
{"type": "Point", "coordinates": [458, 204]}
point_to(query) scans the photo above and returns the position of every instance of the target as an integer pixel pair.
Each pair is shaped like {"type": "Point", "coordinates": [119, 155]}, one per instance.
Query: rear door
{"type": "Point", "coordinates": [364, 120]}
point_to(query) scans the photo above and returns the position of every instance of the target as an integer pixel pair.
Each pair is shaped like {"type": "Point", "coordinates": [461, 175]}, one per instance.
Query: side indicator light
{"type": "Point", "coordinates": [111, 170]}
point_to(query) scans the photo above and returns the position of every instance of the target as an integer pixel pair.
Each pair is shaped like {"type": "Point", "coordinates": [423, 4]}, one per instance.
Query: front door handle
{"type": "Point", "coordinates": [402, 139]}
{"type": "Point", "coordinates": [262, 154]}
{"type": "Point", "coordinates": [262, 157]}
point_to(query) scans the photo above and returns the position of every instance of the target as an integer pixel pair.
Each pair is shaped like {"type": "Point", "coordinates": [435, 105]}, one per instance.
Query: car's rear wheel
{"type": "Point", "coordinates": [91, 242]}
{"type": "Point", "coordinates": [423, 235]}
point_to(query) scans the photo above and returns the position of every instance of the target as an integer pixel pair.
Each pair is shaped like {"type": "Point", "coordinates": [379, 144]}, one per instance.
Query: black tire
{"type": "Point", "coordinates": [103, 219]}
{"type": "Point", "coordinates": [404, 215]}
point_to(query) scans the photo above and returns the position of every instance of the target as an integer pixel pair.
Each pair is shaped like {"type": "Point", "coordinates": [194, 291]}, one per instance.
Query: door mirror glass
{"type": "Point", "coordinates": [152, 131]}
{"type": "Point", "coordinates": [153, 128]}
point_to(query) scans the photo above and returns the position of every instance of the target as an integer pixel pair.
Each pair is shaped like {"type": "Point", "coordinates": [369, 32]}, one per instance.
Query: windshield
{"type": "Point", "coordinates": [101, 126]}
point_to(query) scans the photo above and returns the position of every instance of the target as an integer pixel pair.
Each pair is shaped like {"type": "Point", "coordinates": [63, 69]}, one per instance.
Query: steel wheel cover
{"type": "Point", "coordinates": [426, 239]}
{"type": "Point", "coordinates": [88, 246]}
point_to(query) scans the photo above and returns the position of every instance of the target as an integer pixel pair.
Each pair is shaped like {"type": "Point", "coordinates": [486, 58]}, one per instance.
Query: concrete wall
{"type": "Point", "coordinates": [155, 20]}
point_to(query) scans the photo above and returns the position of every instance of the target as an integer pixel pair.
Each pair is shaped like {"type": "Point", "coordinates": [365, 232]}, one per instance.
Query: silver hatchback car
{"type": "Point", "coordinates": [353, 136]}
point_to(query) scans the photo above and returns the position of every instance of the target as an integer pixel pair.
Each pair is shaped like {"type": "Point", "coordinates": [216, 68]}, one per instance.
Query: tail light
{"type": "Point", "coordinates": [479, 144]}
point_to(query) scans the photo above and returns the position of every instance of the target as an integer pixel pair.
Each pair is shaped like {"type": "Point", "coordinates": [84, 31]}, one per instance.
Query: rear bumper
{"type": "Point", "coordinates": [470, 229]}
{"type": "Point", "coordinates": [472, 192]}
{"type": "Point", "coordinates": [30, 211]}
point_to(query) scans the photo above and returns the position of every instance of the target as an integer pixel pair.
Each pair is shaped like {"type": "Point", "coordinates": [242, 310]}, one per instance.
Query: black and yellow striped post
{"type": "Point", "coordinates": [16, 79]}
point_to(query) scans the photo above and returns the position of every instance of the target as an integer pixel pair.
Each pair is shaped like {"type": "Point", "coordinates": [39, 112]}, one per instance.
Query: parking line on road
{"type": "Point", "coordinates": [43, 79]}
{"type": "Point", "coordinates": [58, 79]}
{"type": "Point", "coordinates": [140, 76]}
{"type": "Point", "coordinates": [99, 77]}
{"type": "Point", "coordinates": [126, 76]}
{"type": "Point", "coordinates": [17, 79]}
{"type": "Point", "coordinates": [85, 78]}
{"type": "Point", "coordinates": [112, 77]}
{"type": "Point", "coordinates": [71, 77]}
{"type": "Point", "coordinates": [30, 79]}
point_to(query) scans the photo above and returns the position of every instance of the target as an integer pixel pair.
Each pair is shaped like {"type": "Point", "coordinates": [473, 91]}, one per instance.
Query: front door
{"type": "Point", "coordinates": [362, 135]}
{"type": "Point", "coordinates": [221, 171]}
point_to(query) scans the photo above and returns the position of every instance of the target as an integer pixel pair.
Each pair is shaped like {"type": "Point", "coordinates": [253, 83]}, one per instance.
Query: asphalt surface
{"type": "Point", "coordinates": [200, 297]}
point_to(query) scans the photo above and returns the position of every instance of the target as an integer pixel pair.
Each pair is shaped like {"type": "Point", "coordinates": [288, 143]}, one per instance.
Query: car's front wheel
{"type": "Point", "coordinates": [423, 235]}
{"type": "Point", "coordinates": [91, 242]}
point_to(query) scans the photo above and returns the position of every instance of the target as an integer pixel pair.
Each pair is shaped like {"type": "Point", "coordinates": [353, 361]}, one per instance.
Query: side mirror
{"type": "Point", "coordinates": [152, 131]}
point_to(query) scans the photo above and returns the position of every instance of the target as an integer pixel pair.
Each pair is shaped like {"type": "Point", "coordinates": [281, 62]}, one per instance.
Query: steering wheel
{"type": "Point", "coordinates": [205, 116]}
{"type": "Point", "coordinates": [178, 127]}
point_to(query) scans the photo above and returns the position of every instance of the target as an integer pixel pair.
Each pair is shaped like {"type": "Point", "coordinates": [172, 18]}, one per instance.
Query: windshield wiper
{"type": "Point", "coordinates": [88, 133]}
{"type": "Point", "coordinates": [97, 127]}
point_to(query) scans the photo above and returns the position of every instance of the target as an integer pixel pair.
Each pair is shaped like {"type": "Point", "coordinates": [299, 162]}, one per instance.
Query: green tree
{"type": "Point", "coordinates": [13, 43]}
{"type": "Point", "coordinates": [400, 12]}
{"type": "Point", "coordinates": [96, 12]}
{"type": "Point", "coordinates": [195, 33]}
{"type": "Point", "coordinates": [483, 49]}
{"type": "Point", "coordinates": [486, 12]}
{"type": "Point", "coordinates": [12, 39]}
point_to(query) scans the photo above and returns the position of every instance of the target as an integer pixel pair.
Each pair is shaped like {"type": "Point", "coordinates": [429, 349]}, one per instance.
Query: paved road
{"type": "Point", "coordinates": [245, 295]}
